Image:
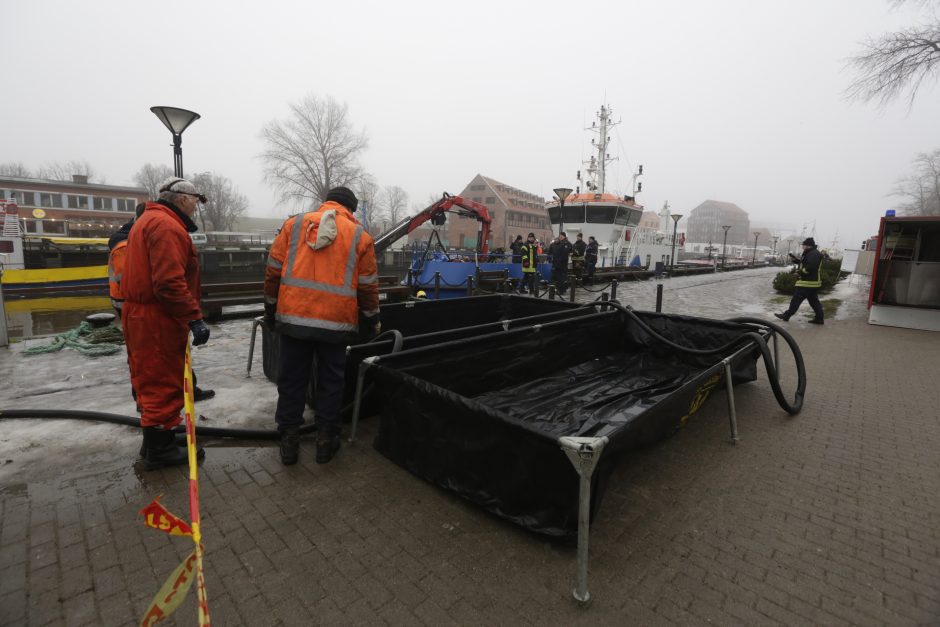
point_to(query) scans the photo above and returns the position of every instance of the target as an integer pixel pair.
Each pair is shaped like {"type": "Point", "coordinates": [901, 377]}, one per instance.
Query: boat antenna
{"type": "Point", "coordinates": [597, 166]}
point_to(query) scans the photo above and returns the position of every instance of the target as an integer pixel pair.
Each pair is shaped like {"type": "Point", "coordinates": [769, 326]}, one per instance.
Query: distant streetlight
{"type": "Point", "coordinates": [177, 120]}
{"type": "Point", "coordinates": [675, 225]}
{"type": "Point", "coordinates": [774, 251]}
{"type": "Point", "coordinates": [724, 244]}
{"type": "Point", "coordinates": [561, 193]}
{"type": "Point", "coordinates": [754, 258]}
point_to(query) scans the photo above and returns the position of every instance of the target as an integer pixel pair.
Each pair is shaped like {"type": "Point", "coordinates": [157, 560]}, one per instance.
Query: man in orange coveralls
{"type": "Point", "coordinates": [161, 306]}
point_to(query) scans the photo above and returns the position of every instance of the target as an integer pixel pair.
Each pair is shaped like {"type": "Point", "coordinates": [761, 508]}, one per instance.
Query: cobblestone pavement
{"type": "Point", "coordinates": [828, 517]}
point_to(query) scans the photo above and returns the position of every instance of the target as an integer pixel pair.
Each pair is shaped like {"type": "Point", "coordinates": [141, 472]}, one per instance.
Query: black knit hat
{"type": "Point", "coordinates": [344, 196]}
{"type": "Point", "coordinates": [809, 241]}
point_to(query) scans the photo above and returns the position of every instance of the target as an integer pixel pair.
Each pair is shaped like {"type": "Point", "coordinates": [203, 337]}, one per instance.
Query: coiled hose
{"type": "Point", "coordinates": [772, 374]}
{"type": "Point", "coordinates": [214, 432]}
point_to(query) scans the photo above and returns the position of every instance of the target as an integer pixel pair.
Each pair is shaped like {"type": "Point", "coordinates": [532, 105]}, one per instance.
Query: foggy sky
{"type": "Point", "coordinates": [734, 101]}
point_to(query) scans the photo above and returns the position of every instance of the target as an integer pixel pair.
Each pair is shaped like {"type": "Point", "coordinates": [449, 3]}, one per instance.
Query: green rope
{"type": "Point", "coordinates": [88, 340]}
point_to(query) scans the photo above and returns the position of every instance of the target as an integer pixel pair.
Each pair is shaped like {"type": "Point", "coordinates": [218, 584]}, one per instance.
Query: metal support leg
{"type": "Point", "coordinates": [583, 453]}
{"type": "Point", "coordinates": [732, 415]}
{"type": "Point", "coordinates": [251, 346]}
{"type": "Point", "coordinates": [4, 332]}
{"type": "Point", "coordinates": [365, 365]}
{"type": "Point", "coordinates": [613, 290]}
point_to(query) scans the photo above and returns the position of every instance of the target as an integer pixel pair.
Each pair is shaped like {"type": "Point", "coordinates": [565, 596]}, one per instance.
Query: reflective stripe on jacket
{"type": "Point", "coordinates": [530, 257]}
{"type": "Point", "coordinates": [116, 271]}
{"type": "Point", "coordinates": [808, 269]}
{"type": "Point", "coordinates": [322, 275]}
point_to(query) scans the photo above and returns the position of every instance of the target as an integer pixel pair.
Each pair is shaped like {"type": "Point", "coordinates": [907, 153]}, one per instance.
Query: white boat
{"type": "Point", "coordinates": [613, 220]}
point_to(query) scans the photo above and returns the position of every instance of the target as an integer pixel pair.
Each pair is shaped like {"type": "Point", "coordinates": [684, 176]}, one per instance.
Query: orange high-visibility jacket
{"type": "Point", "coordinates": [322, 275]}
{"type": "Point", "coordinates": [115, 272]}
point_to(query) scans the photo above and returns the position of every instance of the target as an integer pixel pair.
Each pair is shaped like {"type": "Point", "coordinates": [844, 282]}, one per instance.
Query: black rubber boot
{"type": "Point", "coordinates": [782, 316]}
{"type": "Point", "coordinates": [290, 445]}
{"type": "Point", "coordinates": [202, 395]}
{"type": "Point", "coordinates": [817, 321]}
{"type": "Point", "coordinates": [327, 446]}
{"type": "Point", "coordinates": [161, 450]}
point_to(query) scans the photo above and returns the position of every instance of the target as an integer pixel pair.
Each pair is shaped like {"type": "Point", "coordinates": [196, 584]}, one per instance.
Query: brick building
{"type": "Point", "coordinates": [705, 221]}
{"type": "Point", "coordinates": [73, 208]}
{"type": "Point", "coordinates": [513, 211]}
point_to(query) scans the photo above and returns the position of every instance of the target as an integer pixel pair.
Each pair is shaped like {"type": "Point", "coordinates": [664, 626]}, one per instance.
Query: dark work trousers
{"type": "Point", "coordinates": [590, 269]}
{"type": "Point", "coordinates": [805, 293]}
{"type": "Point", "coordinates": [530, 281]}
{"type": "Point", "coordinates": [560, 277]}
{"type": "Point", "coordinates": [296, 359]}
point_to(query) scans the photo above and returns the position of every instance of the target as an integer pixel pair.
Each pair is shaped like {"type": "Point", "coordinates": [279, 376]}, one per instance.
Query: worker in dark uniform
{"type": "Point", "coordinates": [577, 256]}
{"type": "Point", "coordinates": [559, 251]}
{"type": "Point", "coordinates": [808, 283]}
{"type": "Point", "coordinates": [590, 258]}
{"type": "Point", "coordinates": [516, 248]}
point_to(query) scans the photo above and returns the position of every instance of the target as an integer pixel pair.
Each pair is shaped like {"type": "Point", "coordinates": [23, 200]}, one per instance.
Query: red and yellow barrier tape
{"type": "Point", "coordinates": [177, 586]}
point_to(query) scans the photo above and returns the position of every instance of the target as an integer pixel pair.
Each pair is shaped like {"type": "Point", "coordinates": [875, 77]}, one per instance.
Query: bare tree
{"type": "Point", "coordinates": [58, 171]}
{"type": "Point", "coordinates": [150, 175]}
{"type": "Point", "coordinates": [315, 149]}
{"type": "Point", "coordinates": [368, 213]}
{"type": "Point", "coordinates": [394, 202]}
{"type": "Point", "coordinates": [226, 205]}
{"type": "Point", "coordinates": [897, 62]}
{"type": "Point", "coordinates": [15, 168]}
{"type": "Point", "coordinates": [922, 188]}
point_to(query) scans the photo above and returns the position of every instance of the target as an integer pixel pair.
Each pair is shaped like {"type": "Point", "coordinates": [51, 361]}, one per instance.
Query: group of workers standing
{"type": "Point", "coordinates": [320, 288]}
{"type": "Point", "coordinates": [582, 256]}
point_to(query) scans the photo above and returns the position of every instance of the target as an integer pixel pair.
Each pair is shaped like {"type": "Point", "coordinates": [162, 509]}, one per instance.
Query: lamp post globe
{"type": "Point", "coordinates": [675, 225]}
{"type": "Point", "coordinates": [176, 120]}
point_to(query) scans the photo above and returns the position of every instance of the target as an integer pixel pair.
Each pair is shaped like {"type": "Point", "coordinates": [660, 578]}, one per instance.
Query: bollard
{"type": "Point", "coordinates": [538, 283]}
{"type": "Point", "coordinates": [4, 335]}
{"type": "Point", "coordinates": [571, 294]}
{"type": "Point", "coordinates": [470, 285]}
{"type": "Point", "coordinates": [410, 276]}
{"type": "Point", "coordinates": [659, 298]}
{"type": "Point", "coordinates": [551, 292]}
{"type": "Point", "coordinates": [604, 300]}
{"type": "Point", "coordinates": [613, 289]}
{"type": "Point", "coordinates": [437, 285]}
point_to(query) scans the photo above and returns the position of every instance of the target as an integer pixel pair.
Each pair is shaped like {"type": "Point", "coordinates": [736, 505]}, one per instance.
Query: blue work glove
{"type": "Point", "coordinates": [200, 332]}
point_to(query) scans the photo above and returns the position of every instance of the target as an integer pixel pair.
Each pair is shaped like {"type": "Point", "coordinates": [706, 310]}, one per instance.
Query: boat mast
{"type": "Point", "coordinates": [597, 166]}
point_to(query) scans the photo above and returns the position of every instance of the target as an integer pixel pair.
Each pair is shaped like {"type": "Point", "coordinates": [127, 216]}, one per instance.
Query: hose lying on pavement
{"type": "Point", "coordinates": [119, 419]}
{"type": "Point", "coordinates": [772, 374]}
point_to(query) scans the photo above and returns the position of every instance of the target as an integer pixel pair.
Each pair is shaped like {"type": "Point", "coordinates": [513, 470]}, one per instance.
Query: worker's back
{"type": "Point", "coordinates": [322, 273]}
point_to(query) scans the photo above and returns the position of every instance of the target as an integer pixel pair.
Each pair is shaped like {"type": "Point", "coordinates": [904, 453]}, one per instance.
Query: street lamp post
{"type": "Point", "coordinates": [724, 245]}
{"type": "Point", "coordinates": [774, 251]}
{"type": "Point", "coordinates": [177, 120]}
{"type": "Point", "coordinates": [754, 258]}
{"type": "Point", "coordinates": [561, 193]}
{"type": "Point", "coordinates": [675, 226]}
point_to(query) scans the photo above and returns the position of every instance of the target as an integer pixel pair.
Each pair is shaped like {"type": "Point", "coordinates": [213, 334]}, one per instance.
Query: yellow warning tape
{"type": "Point", "coordinates": [177, 586]}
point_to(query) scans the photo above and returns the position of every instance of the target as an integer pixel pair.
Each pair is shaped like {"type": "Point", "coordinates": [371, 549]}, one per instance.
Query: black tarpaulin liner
{"type": "Point", "coordinates": [482, 416]}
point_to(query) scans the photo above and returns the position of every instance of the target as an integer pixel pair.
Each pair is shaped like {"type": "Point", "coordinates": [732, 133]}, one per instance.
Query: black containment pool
{"type": "Point", "coordinates": [486, 416]}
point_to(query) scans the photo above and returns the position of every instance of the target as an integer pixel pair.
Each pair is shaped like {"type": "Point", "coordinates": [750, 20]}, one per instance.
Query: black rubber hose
{"type": "Point", "coordinates": [772, 374]}
{"type": "Point", "coordinates": [119, 419]}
